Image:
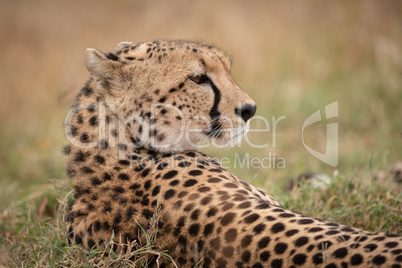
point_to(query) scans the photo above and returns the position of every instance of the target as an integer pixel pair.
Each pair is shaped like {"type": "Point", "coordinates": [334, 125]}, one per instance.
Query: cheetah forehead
{"type": "Point", "coordinates": [127, 51]}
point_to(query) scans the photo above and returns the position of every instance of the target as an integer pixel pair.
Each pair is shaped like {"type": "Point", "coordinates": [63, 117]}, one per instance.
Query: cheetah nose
{"type": "Point", "coordinates": [246, 112]}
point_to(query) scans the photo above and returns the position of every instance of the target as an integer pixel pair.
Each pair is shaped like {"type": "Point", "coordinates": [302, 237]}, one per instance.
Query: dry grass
{"type": "Point", "coordinates": [292, 58]}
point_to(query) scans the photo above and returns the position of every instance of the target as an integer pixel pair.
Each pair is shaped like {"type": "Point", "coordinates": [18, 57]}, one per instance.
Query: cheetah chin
{"type": "Point", "coordinates": [236, 135]}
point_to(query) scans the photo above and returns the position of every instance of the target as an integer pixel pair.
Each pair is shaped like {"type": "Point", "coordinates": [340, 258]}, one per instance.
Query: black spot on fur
{"type": "Point", "coordinates": [195, 172]}
{"type": "Point", "coordinates": [169, 175]}
{"type": "Point", "coordinates": [124, 177]}
{"type": "Point", "coordinates": [119, 189]}
{"type": "Point", "coordinates": [370, 247]}
{"type": "Point", "coordinates": [277, 263]}
{"type": "Point", "coordinates": [318, 258]}
{"type": "Point", "coordinates": [87, 90]}
{"type": "Point", "coordinates": [264, 256]}
{"type": "Point", "coordinates": [340, 253]}
{"type": "Point", "coordinates": [207, 189]}
{"type": "Point", "coordinates": [228, 218]}
{"type": "Point", "coordinates": [390, 244]}
{"type": "Point", "coordinates": [332, 232]}
{"type": "Point", "coordinates": [147, 184]}
{"type": "Point", "coordinates": [100, 159]}
{"type": "Point", "coordinates": [208, 229]}
{"type": "Point", "coordinates": [380, 238]}
{"type": "Point", "coordinates": [305, 221]}
{"type": "Point", "coordinates": [194, 229]}
{"type": "Point", "coordinates": [80, 119]}
{"type": "Point", "coordinates": [324, 245]}
{"type": "Point", "coordinates": [91, 107]}
{"type": "Point", "coordinates": [291, 232]}
{"type": "Point", "coordinates": [270, 218]}
{"type": "Point", "coordinates": [162, 166]}
{"type": "Point", "coordinates": [347, 229]}
{"type": "Point", "coordinates": [251, 218]}
{"type": "Point", "coordinates": [356, 259]}
{"type": "Point", "coordinates": [145, 172]}
{"type": "Point", "coordinates": [190, 183]}
{"type": "Point", "coordinates": [184, 164]}
{"type": "Point", "coordinates": [80, 157]}
{"type": "Point", "coordinates": [263, 206]}
{"type": "Point", "coordinates": [84, 138]}
{"type": "Point", "coordinates": [87, 170]}
{"type": "Point", "coordinates": [195, 214]}
{"type": "Point", "coordinates": [147, 213]}
{"type": "Point", "coordinates": [156, 190]}
{"type": "Point", "coordinates": [95, 181]}
{"type": "Point", "coordinates": [230, 235]}
{"type": "Point", "coordinates": [301, 241]}
{"type": "Point", "coordinates": [211, 212]}
{"type": "Point", "coordinates": [278, 227]}
{"type": "Point", "coordinates": [91, 243]}
{"type": "Point", "coordinates": [124, 162]}
{"type": "Point", "coordinates": [106, 176]}
{"type": "Point", "coordinates": [315, 229]}
{"type": "Point", "coordinates": [230, 185]}
{"type": "Point", "coordinates": [264, 242]}
{"type": "Point", "coordinates": [280, 248]}
{"type": "Point", "coordinates": [169, 194]}
{"type": "Point", "coordinates": [259, 228]}
{"type": "Point", "coordinates": [93, 121]}
{"type": "Point", "coordinates": [135, 186]}
{"type": "Point", "coordinates": [67, 149]}
{"type": "Point", "coordinates": [379, 259]}
{"type": "Point", "coordinates": [299, 259]}
{"type": "Point", "coordinates": [191, 154]}
{"type": "Point", "coordinates": [78, 239]}
{"type": "Point", "coordinates": [111, 56]}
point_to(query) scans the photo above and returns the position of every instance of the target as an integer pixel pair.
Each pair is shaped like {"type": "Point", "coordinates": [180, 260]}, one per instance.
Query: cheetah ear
{"type": "Point", "coordinates": [99, 64]}
{"type": "Point", "coordinates": [105, 69]}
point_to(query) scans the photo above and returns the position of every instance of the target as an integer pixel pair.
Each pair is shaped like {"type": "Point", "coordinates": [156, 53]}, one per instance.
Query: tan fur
{"type": "Point", "coordinates": [121, 174]}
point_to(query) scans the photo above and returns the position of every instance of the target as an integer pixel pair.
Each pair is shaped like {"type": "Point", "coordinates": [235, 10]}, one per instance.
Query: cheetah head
{"type": "Point", "coordinates": [172, 95]}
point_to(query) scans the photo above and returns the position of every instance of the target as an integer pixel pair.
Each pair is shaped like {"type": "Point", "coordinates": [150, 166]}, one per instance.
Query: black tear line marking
{"type": "Point", "coordinates": [216, 127]}
{"type": "Point", "coordinates": [214, 113]}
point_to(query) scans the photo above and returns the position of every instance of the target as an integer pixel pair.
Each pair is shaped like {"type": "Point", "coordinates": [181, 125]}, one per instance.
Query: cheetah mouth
{"type": "Point", "coordinates": [228, 136]}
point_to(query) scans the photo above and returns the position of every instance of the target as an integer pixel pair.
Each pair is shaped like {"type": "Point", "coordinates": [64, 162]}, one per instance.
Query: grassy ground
{"type": "Point", "coordinates": [292, 58]}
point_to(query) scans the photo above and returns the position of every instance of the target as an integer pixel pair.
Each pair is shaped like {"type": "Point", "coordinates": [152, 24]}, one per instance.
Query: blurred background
{"type": "Point", "coordinates": [292, 57]}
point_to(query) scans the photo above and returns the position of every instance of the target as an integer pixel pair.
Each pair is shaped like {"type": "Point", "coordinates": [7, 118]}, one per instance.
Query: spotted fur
{"type": "Point", "coordinates": [127, 160]}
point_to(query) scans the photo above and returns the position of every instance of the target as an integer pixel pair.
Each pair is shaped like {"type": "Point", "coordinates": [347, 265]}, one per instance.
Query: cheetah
{"type": "Point", "coordinates": [133, 133]}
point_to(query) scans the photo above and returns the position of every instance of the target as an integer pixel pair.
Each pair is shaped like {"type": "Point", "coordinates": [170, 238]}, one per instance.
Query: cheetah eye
{"type": "Point", "coordinates": [199, 79]}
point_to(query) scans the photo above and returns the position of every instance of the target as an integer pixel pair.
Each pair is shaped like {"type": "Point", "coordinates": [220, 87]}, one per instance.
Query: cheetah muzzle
{"type": "Point", "coordinates": [133, 132]}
